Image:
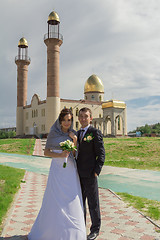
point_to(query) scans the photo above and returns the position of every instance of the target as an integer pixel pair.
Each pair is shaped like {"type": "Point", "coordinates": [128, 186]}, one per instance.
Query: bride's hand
{"type": "Point", "coordinates": [64, 154]}
{"type": "Point", "coordinates": [73, 136]}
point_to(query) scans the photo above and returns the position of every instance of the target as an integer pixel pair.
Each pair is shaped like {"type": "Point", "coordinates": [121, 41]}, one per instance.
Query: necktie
{"type": "Point", "coordinates": [81, 135]}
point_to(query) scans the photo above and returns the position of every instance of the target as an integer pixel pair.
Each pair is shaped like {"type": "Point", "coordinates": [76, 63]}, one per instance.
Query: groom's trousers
{"type": "Point", "coordinates": [89, 188]}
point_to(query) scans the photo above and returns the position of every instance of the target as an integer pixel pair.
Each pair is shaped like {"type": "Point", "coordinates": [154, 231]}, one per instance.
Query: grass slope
{"type": "Point", "coordinates": [19, 146]}
{"type": "Point", "coordinates": [136, 153]}
{"type": "Point", "coordinates": [10, 179]}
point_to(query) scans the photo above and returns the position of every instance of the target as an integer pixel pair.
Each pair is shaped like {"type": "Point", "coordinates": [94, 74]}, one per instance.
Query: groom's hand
{"type": "Point", "coordinates": [95, 174]}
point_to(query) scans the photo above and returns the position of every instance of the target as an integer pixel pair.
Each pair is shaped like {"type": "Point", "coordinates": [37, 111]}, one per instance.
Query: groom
{"type": "Point", "coordinates": [90, 159]}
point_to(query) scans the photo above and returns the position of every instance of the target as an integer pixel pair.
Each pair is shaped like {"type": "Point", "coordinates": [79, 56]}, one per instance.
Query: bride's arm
{"type": "Point", "coordinates": [49, 153]}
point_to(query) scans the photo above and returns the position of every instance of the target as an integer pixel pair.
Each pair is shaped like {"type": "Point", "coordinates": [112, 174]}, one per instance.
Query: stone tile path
{"type": "Point", "coordinates": [38, 148]}
{"type": "Point", "coordinates": [119, 222]}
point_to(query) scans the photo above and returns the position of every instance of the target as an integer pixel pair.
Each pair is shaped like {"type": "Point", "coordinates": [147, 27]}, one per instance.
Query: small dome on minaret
{"type": "Point", "coordinates": [53, 18]}
{"type": "Point", "coordinates": [22, 43]}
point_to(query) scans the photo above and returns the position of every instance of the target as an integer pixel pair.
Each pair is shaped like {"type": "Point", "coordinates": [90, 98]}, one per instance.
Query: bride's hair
{"type": "Point", "coordinates": [65, 112]}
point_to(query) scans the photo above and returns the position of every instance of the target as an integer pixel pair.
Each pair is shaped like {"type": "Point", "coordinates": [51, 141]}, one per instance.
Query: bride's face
{"type": "Point", "coordinates": [66, 122]}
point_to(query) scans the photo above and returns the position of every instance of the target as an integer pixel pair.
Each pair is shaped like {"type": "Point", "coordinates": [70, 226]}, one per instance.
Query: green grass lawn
{"type": "Point", "coordinates": [18, 146]}
{"type": "Point", "coordinates": [10, 179]}
{"type": "Point", "coordinates": [149, 208]}
{"type": "Point", "coordinates": [137, 153]}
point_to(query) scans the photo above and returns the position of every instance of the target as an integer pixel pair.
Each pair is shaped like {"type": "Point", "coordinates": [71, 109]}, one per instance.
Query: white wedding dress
{"type": "Point", "coordinates": [61, 215]}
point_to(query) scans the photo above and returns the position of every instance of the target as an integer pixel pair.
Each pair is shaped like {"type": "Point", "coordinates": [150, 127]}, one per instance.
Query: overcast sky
{"type": "Point", "coordinates": [118, 40]}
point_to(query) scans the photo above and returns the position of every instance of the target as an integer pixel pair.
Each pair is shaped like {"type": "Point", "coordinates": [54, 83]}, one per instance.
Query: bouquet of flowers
{"type": "Point", "coordinates": [68, 146]}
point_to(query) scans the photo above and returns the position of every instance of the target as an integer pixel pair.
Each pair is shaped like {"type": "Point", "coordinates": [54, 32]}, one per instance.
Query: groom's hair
{"type": "Point", "coordinates": [85, 109]}
{"type": "Point", "coordinates": [65, 112]}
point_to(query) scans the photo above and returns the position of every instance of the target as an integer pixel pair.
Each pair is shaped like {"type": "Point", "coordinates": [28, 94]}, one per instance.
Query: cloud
{"type": "Point", "coordinates": [143, 111]}
{"type": "Point", "coordinates": [117, 40]}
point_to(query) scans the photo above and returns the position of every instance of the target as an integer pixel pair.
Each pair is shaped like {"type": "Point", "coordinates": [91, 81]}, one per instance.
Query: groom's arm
{"type": "Point", "coordinates": [99, 151]}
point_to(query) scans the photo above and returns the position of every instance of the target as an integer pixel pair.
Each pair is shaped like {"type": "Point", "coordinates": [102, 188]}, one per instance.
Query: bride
{"type": "Point", "coordinates": [61, 215]}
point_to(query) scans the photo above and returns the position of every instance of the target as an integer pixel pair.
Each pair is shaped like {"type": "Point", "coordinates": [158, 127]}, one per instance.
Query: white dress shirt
{"type": "Point", "coordinates": [85, 130]}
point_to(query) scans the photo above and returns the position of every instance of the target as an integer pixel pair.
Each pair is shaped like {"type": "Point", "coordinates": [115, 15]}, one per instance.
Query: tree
{"type": "Point", "coordinates": [9, 134]}
{"type": "Point", "coordinates": [148, 129]}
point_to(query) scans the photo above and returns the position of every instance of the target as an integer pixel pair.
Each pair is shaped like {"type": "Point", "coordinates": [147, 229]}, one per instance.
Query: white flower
{"type": "Point", "coordinates": [89, 138]}
{"type": "Point", "coordinates": [61, 143]}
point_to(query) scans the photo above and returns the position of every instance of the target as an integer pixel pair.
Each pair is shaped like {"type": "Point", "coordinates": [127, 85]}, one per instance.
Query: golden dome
{"type": "Point", "coordinates": [113, 104]}
{"type": "Point", "coordinates": [22, 43]}
{"type": "Point", "coordinates": [93, 84]}
{"type": "Point", "coordinates": [53, 16]}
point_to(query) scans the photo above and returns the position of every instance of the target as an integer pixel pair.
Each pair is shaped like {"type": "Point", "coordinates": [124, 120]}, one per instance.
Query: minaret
{"type": "Point", "coordinates": [53, 40]}
{"type": "Point", "coordinates": [22, 61]}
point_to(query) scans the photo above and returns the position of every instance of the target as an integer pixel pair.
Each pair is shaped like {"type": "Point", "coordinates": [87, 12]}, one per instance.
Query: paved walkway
{"type": "Point", "coordinates": [38, 148]}
{"type": "Point", "coordinates": [119, 222]}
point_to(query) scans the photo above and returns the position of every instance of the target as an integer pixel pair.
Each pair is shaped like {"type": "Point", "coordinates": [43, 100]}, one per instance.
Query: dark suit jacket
{"type": "Point", "coordinates": [91, 155]}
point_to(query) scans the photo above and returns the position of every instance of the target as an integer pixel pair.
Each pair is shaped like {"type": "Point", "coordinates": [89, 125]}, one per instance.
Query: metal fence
{"type": "Point", "coordinates": [53, 35]}
{"type": "Point", "coordinates": [22, 57]}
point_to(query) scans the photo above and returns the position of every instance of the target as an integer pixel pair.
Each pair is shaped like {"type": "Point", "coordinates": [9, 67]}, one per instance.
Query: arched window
{"type": "Point", "coordinates": [119, 123]}
{"type": "Point", "coordinates": [34, 125]}
{"type": "Point", "coordinates": [100, 98]}
{"type": "Point", "coordinates": [92, 97]}
{"type": "Point", "coordinates": [43, 127]}
{"type": "Point", "coordinates": [26, 115]}
{"type": "Point", "coordinates": [43, 112]}
{"type": "Point", "coordinates": [77, 111]}
{"type": "Point", "coordinates": [77, 125]}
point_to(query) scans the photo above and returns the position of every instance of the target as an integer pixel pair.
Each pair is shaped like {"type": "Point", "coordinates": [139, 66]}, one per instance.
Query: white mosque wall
{"type": "Point", "coordinates": [34, 115]}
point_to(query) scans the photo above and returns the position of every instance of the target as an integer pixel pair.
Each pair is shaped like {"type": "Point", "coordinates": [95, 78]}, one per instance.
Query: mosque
{"type": "Point", "coordinates": [38, 116]}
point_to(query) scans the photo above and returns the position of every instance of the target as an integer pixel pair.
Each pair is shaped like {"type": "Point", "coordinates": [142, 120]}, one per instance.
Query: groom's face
{"type": "Point", "coordinates": [84, 118]}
